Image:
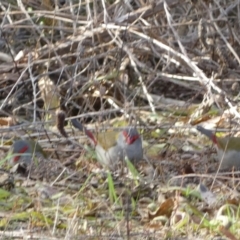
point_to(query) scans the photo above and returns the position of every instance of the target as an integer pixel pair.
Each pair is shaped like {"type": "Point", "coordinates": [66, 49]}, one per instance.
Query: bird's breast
{"type": "Point", "coordinates": [229, 159]}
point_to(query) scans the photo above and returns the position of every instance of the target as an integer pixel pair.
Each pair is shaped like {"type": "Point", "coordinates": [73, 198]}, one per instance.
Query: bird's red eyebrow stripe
{"type": "Point", "coordinates": [130, 140]}
{"type": "Point", "coordinates": [23, 150]}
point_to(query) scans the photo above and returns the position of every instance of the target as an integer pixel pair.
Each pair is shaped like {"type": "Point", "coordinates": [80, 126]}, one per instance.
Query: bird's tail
{"type": "Point", "coordinates": [77, 125]}
{"type": "Point", "coordinates": [207, 133]}
{"type": "Point", "coordinates": [80, 127]}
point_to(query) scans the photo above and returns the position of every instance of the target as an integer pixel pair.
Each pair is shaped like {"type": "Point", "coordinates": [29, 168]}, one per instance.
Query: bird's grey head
{"type": "Point", "coordinates": [129, 135]}
{"type": "Point", "coordinates": [22, 152]}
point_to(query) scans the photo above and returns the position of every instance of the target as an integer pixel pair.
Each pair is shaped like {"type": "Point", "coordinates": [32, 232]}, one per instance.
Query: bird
{"type": "Point", "coordinates": [112, 147]}
{"type": "Point", "coordinates": [24, 150]}
{"type": "Point", "coordinates": [29, 159]}
{"type": "Point", "coordinates": [228, 148]}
